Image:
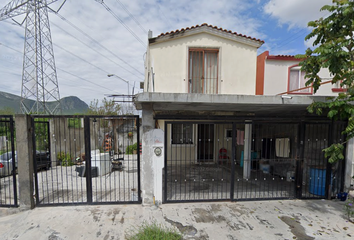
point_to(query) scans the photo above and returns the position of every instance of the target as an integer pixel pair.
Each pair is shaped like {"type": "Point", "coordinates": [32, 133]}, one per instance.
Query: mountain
{"type": "Point", "coordinates": [69, 105]}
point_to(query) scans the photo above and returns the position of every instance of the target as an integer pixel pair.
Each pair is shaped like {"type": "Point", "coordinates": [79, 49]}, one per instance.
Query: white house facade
{"type": "Point", "coordinates": [216, 126]}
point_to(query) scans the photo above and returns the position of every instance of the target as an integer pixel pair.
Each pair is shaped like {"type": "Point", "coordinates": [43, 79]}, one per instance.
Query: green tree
{"type": "Point", "coordinates": [107, 107]}
{"type": "Point", "coordinates": [333, 49]}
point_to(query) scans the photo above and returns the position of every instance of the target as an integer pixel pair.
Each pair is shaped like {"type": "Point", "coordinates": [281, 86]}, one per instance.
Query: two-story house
{"type": "Point", "coordinates": [211, 132]}
{"type": "Point", "coordinates": [281, 74]}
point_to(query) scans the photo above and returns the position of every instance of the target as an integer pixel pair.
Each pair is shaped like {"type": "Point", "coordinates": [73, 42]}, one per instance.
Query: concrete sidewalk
{"type": "Point", "coordinates": [288, 219]}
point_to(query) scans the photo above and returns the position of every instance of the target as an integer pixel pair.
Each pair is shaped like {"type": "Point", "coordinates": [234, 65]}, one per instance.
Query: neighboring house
{"type": "Point", "coordinates": [281, 74]}
{"type": "Point", "coordinates": [219, 140]}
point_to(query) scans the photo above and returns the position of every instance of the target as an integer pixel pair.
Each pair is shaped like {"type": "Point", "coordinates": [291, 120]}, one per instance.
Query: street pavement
{"type": "Point", "coordinates": [276, 219]}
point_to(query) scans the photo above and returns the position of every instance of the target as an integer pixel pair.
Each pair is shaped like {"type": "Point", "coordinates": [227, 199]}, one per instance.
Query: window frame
{"type": "Point", "coordinates": [227, 130]}
{"type": "Point", "coordinates": [183, 133]}
{"type": "Point", "coordinates": [204, 50]}
{"type": "Point", "coordinates": [297, 67]}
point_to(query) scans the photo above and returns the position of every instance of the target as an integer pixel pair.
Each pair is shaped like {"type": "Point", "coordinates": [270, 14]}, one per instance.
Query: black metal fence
{"type": "Point", "coordinates": [319, 178]}
{"type": "Point", "coordinates": [86, 159]}
{"type": "Point", "coordinates": [269, 171]}
{"type": "Point", "coordinates": [198, 158]}
{"type": "Point", "coordinates": [8, 163]}
{"type": "Point", "coordinates": [211, 161]}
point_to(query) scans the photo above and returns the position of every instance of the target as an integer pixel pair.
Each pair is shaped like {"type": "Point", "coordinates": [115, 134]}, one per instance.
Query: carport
{"type": "Point", "coordinates": [232, 147]}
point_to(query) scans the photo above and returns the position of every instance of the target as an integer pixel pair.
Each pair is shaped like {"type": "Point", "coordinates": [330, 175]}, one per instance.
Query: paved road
{"type": "Point", "coordinates": [289, 219]}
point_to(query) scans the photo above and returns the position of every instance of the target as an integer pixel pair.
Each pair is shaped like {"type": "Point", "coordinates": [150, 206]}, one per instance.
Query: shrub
{"type": "Point", "coordinates": [131, 148]}
{"type": "Point", "coordinates": [349, 208]}
{"type": "Point", "coordinates": [65, 159]}
{"type": "Point", "coordinates": [154, 231]}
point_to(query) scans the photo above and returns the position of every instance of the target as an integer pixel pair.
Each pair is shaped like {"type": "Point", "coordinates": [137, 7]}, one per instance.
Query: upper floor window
{"type": "Point", "coordinates": [297, 81]}
{"type": "Point", "coordinates": [203, 70]}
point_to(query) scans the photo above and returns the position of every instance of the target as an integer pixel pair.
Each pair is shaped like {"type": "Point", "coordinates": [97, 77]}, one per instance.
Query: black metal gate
{"type": "Point", "coordinates": [211, 161]}
{"type": "Point", "coordinates": [8, 163]}
{"type": "Point", "coordinates": [86, 159]}
{"type": "Point", "coordinates": [317, 178]}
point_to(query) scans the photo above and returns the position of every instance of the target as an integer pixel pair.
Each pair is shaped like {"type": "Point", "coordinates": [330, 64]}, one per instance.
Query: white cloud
{"type": "Point", "coordinates": [84, 74]}
{"type": "Point", "coordinates": [309, 43]}
{"type": "Point", "coordinates": [92, 18]}
{"type": "Point", "coordinates": [295, 13]}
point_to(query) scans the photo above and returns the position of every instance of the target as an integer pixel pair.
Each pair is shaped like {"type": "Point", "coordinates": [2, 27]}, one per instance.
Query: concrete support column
{"type": "Point", "coordinates": [146, 165]}
{"type": "Point", "coordinates": [247, 150]}
{"type": "Point", "coordinates": [24, 148]}
{"type": "Point", "coordinates": [349, 156]}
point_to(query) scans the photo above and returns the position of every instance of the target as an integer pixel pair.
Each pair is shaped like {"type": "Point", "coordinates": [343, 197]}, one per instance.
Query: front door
{"type": "Point", "coordinates": [205, 149]}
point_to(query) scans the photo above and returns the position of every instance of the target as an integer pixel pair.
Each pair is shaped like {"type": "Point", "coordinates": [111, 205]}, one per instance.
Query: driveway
{"type": "Point", "coordinates": [289, 219]}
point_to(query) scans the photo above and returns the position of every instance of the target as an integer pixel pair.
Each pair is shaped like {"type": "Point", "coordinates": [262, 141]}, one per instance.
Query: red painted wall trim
{"type": "Point", "coordinates": [260, 72]}
{"type": "Point", "coordinates": [284, 58]}
{"type": "Point", "coordinates": [339, 89]}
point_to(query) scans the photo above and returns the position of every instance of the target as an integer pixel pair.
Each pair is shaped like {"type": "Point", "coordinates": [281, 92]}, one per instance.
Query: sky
{"type": "Point", "coordinates": [92, 39]}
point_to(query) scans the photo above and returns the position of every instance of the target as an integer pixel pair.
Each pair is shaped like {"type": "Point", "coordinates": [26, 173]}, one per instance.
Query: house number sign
{"type": "Point", "coordinates": [158, 151]}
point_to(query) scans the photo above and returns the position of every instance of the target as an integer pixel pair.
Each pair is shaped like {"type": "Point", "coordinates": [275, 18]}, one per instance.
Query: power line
{"type": "Point", "coordinates": [131, 16]}
{"type": "Point", "coordinates": [293, 38]}
{"type": "Point", "coordinates": [167, 20]}
{"type": "Point", "coordinates": [81, 59]}
{"type": "Point", "coordinates": [67, 71]}
{"type": "Point", "coordinates": [84, 79]}
{"type": "Point", "coordinates": [94, 40]}
{"type": "Point", "coordinates": [117, 17]}
{"type": "Point", "coordinates": [302, 32]}
{"type": "Point", "coordinates": [89, 47]}
{"type": "Point", "coordinates": [69, 53]}
{"type": "Point", "coordinates": [10, 48]}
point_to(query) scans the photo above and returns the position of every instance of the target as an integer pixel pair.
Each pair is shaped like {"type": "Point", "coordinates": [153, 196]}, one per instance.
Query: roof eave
{"type": "Point", "coordinates": [224, 34]}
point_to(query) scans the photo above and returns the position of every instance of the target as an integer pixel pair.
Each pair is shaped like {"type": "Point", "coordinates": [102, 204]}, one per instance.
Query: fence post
{"type": "Point", "coordinates": [88, 159]}
{"type": "Point", "coordinates": [24, 146]}
{"type": "Point", "coordinates": [147, 171]}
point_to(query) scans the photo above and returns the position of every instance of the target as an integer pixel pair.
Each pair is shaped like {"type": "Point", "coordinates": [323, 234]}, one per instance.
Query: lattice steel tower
{"type": "Point", "coordinates": [39, 76]}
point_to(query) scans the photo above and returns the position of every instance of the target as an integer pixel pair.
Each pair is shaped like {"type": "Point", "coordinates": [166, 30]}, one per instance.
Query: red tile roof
{"type": "Point", "coordinates": [283, 57]}
{"type": "Point", "coordinates": [210, 26]}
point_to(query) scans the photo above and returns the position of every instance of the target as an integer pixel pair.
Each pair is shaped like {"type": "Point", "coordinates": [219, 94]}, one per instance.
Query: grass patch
{"type": "Point", "coordinates": [154, 231]}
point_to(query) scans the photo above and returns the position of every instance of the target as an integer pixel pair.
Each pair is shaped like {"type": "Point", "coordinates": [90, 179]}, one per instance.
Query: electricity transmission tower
{"type": "Point", "coordinates": [39, 77]}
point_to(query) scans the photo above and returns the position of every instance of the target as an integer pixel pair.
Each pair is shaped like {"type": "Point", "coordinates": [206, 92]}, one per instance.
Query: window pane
{"type": "Point", "coordinates": [203, 71]}
{"type": "Point", "coordinates": [210, 72]}
{"type": "Point", "coordinates": [294, 80]}
{"type": "Point", "coordinates": [177, 133]}
{"type": "Point", "coordinates": [196, 71]}
{"type": "Point", "coordinates": [188, 133]}
{"type": "Point", "coordinates": [303, 83]}
{"type": "Point", "coordinates": [182, 133]}
{"type": "Point", "coordinates": [297, 81]}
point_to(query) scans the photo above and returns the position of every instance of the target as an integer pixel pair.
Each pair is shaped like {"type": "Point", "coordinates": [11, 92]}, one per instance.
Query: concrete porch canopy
{"type": "Point", "coordinates": [219, 104]}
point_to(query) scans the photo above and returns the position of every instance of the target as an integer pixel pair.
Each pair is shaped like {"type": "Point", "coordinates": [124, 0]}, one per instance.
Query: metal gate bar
{"type": "Point", "coordinates": [91, 159]}
{"type": "Point", "coordinates": [8, 163]}
{"type": "Point", "coordinates": [198, 161]}
{"type": "Point", "coordinates": [338, 168]}
{"type": "Point", "coordinates": [285, 160]}
{"type": "Point", "coordinates": [314, 165]}
{"type": "Point", "coordinates": [272, 163]}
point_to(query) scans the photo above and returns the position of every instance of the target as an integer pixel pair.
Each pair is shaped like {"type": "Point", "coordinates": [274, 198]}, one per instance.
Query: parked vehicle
{"type": "Point", "coordinates": [42, 161]}
{"type": "Point", "coordinates": [6, 167]}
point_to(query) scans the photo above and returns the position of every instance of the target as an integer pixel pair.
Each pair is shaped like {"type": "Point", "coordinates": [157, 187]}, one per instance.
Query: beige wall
{"type": "Point", "coordinates": [183, 153]}
{"type": "Point", "coordinates": [276, 78]}
{"type": "Point", "coordinates": [187, 153]}
{"type": "Point", "coordinates": [237, 64]}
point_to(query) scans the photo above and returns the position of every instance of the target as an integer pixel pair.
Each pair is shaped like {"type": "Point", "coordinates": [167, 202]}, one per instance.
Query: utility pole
{"type": "Point", "coordinates": [39, 76]}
